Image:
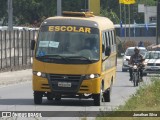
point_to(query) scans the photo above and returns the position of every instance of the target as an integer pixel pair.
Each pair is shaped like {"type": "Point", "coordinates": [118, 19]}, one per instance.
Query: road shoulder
{"type": "Point", "coordinates": [14, 77]}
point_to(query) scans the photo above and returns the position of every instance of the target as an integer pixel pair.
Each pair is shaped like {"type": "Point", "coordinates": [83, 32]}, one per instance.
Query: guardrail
{"type": "Point", "coordinates": [15, 48]}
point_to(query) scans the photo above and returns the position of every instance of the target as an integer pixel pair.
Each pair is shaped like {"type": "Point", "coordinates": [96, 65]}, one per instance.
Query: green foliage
{"type": "Point", "coordinates": [147, 98]}
{"type": "Point", "coordinates": [140, 101]}
{"type": "Point", "coordinates": [110, 9]}
{"type": "Point", "coordinates": [123, 45]}
{"type": "Point", "coordinates": [3, 11]}
{"type": "Point", "coordinates": [110, 5]}
{"type": "Point", "coordinates": [110, 14]}
{"type": "Point", "coordinates": [34, 11]}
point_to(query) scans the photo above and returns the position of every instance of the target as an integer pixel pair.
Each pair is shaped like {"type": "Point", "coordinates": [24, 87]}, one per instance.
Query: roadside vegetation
{"type": "Point", "coordinates": [123, 45]}
{"type": "Point", "coordinates": [147, 98]}
{"type": "Point", "coordinates": [37, 10]}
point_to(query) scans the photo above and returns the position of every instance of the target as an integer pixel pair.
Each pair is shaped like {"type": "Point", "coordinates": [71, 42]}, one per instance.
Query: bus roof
{"type": "Point", "coordinates": [95, 21]}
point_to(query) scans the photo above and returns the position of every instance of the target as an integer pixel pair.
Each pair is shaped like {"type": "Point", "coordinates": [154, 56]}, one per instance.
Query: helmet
{"type": "Point", "coordinates": [136, 49]}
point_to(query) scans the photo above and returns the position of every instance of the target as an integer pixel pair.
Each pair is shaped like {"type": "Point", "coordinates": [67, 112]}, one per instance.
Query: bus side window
{"type": "Point", "coordinates": [103, 43]}
{"type": "Point", "coordinates": [111, 40]}
{"type": "Point", "coordinates": [108, 39]}
{"type": "Point", "coordinates": [107, 42]}
{"type": "Point", "coordinates": [112, 34]}
{"type": "Point", "coordinates": [114, 40]}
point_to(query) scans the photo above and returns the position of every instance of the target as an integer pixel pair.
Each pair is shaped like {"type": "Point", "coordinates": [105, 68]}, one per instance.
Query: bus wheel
{"type": "Point", "coordinates": [38, 97]}
{"type": "Point", "coordinates": [107, 95]}
{"type": "Point", "coordinates": [98, 98]}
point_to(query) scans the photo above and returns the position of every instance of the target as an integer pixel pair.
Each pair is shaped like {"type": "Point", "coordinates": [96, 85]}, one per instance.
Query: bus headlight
{"type": "Point", "coordinates": [91, 76]}
{"type": "Point", "coordinates": [39, 74]}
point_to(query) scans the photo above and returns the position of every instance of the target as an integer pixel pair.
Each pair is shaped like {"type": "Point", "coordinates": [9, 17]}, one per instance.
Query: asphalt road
{"type": "Point", "coordinates": [19, 97]}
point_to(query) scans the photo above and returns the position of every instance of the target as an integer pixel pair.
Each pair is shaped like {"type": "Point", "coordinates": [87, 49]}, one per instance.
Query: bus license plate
{"type": "Point", "coordinates": [64, 84]}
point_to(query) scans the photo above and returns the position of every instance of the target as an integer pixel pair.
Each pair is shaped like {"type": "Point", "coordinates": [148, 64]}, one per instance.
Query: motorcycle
{"type": "Point", "coordinates": [135, 74]}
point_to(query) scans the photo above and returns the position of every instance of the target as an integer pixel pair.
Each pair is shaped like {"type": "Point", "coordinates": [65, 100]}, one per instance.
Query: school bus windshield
{"type": "Point", "coordinates": [78, 43]}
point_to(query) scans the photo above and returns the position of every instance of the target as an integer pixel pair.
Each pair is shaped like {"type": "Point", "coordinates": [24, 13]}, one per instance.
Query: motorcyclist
{"type": "Point", "coordinates": [136, 57]}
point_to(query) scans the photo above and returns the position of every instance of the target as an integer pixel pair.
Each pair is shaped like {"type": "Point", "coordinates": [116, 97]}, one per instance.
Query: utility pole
{"type": "Point", "coordinates": [85, 4]}
{"type": "Point", "coordinates": [158, 22]}
{"type": "Point", "coordinates": [59, 7]}
{"type": "Point", "coordinates": [125, 20]}
{"type": "Point", "coordinates": [129, 15]}
{"type": "Point", "coordinates": [10, 15]}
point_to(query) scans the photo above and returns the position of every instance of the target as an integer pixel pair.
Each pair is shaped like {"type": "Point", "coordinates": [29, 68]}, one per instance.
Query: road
{"type": "Point", "coordinates": [19, 97]}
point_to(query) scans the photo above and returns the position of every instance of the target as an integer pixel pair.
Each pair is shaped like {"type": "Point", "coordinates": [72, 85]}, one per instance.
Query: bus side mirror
{"type": "Point", "coordinates": [32, 44]}
{"type": "Point", "coordinates": [108, 51]}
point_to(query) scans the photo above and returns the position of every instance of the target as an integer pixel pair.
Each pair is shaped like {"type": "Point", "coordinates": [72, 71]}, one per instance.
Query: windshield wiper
{"type": "Point", "coordinates": [80, 57]}
{"type": "Point", "coordinates": [53, 57]}
{"type": "Point", "coordinates": [42, 56]}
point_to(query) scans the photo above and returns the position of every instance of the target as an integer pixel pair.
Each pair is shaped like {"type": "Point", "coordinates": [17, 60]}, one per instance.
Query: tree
{"type": "Point", "coordinates": [31, 11]}
{"type": "Point", "coordinates": [111, 15]}
{"type": "Point", "coordinates": [3, 9]}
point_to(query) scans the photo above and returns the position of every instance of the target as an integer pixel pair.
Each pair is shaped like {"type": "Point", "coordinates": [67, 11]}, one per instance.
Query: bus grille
{"type": "Point", "coordinates": [74, 80]}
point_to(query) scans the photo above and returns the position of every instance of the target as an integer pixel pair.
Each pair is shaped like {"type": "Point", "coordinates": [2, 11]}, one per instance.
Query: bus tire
{"type": "Point", "coordinates": [107, 95]}
{"type": "Point", "coordinates": [38, 97]}
{"type": "Point", "coordinates": [97, 101]}
{"type": "Point", "coordinates": [98, 98]}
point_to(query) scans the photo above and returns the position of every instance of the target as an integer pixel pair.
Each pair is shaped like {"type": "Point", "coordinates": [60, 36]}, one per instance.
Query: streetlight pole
{"type": "Point", "coordinates": [129, 34]}
{"type": "Point", "coordinates": [59, 7]}
{"type": "Point", "coordinates": [158, 22]}
{"type": "Point", "coordinates": [85, 4]}
{"type": "Point", "coordinates": [125, 33]}
{"type": "Point", "coordinates": [10, 15]}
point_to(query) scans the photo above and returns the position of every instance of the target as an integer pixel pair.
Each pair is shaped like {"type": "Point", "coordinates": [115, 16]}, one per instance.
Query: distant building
{"type": "Point", "coordinates": [150, 13]}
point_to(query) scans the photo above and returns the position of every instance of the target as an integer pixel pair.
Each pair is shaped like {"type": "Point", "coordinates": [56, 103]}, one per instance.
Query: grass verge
{"type": "Point", "coordinates": [147, 98]}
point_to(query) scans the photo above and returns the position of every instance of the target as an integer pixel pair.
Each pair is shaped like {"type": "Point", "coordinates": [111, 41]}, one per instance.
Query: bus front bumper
{"type": "Point", "coordinates": [72, 84]}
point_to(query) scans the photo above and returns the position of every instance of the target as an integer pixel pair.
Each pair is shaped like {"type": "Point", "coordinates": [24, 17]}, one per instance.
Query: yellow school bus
{"type": "Point", "coordinates": [74, 57]}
